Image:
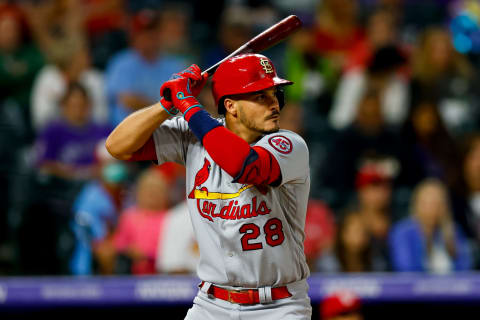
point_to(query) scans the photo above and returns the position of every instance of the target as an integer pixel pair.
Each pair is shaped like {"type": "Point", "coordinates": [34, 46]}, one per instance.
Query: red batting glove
{"type": "Point", "coordinates": [194, 73]}
{"type": "Point", "coordinates": [184, 87]}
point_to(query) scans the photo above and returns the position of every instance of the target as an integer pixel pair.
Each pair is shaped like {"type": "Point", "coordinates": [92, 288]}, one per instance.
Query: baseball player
{"type": "Point", "coordinates": [247, 186]}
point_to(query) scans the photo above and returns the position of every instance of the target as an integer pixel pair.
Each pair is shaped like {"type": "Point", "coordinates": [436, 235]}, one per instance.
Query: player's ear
{"type": "Point", "coordinates": [230, 106]}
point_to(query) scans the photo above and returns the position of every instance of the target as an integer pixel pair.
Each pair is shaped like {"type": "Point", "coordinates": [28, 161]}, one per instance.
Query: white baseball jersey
{"type": "Point", "coordinates": [247, 237]}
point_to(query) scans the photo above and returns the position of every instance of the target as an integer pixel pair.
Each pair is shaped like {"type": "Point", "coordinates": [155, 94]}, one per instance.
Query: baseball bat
{"type": "Point", "coordinates": [264, 40]}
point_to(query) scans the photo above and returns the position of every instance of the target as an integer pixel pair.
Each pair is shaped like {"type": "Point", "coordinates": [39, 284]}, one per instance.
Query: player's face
{"type": "Point", "coordinates": [260, 111]}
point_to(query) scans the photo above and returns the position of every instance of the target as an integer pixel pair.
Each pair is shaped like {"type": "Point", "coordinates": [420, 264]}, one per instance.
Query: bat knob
{"type": "Point", "coordinates": [167, 94]}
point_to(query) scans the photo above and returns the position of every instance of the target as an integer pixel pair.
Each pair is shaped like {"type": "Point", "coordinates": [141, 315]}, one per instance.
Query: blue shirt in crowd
{"type": "Point", "coordinates": [408, 248]}
{"type": "Point", "coordinates": [94, 211]}
{"type": "Point", "coordinates": [128, 72]}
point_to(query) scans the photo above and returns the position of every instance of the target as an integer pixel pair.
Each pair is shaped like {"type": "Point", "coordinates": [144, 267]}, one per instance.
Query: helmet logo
{"type": "Point", "coordinates": [266, 65]}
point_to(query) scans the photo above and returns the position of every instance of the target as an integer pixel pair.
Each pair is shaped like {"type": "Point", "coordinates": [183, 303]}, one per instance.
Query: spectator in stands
{"type": "Point", "coordinates": [431, 146]}
{"type": "Point", "coordinates": [133, 75]}
{"type": "Point", "coordinates": [71, 65]}
{"type": "Point", "coordinates": [20, 60]}
{"type": "Point", "coordinates": [337, 32]}
{"type": "Point", "coordinates": [140, 227]}
{"type": "Point", "coordinates": [315, 75]}
{"type": "Point", "coordinates": [384, 74]}
{"type": "Point", "coordinates": [429, 240]}
{"type": "Point", "coordinates": [66, 147]}
{"type": "Point", "coordinates": [56, 26]}
{"type": "Point", "coordinates": [174, 30]}
{"type": "Point", "coordinates": [381, 31]}
{"type": "Point", "coordinates": [95, 214]}
{"type": "Point", "coordinates": [319, 231]}
{"type": "Point", "coordinates": [352, 250]}
{"type": "Point", "coordinates": [341, 305]}
{"type": "Point", "coordinates": [234, 30]}
{"type": "Point", "coordinates": [466, 200]}
{"type": "Point", "coordinates": [443, 74]}
{"type": "Point", "coordinates": [368, 136]}
{"type": "Point", "coordinates": [177, 250]}
{"type": "Point", "coordinates": [316, 57]}
{"type": "Point", "coordinates": [105, 22]}
{"type": "Point", "coordinates": [374, 200]}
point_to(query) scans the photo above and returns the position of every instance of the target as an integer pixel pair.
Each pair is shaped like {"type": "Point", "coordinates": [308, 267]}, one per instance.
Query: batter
{"type": "Point", "coordinates": [247, 186]}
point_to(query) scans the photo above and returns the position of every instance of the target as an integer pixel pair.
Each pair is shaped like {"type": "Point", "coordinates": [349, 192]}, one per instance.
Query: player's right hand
{"type": "Point", "coordinates": [191, 78]}
{"type": "Point", "coordinates": [197, 80]}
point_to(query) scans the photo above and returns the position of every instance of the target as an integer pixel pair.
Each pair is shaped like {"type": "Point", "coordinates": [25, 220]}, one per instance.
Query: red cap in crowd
{"type": "Point", "coordinates": [371, 174]}
{"type": "Point", "coordinates": [171, 171]}
{"type": "Point", "coordinates": [145, 19]}
{"type": "Point", "coordinates": [14, 12]}
{"type": "Point", "coordinates": [338, 303]}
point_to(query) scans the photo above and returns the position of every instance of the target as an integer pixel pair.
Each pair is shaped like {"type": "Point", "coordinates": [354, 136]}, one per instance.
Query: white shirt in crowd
{"type": "Point", "coordinates": [353, 85]}
{"type": "Point", "coordinates": [49, 87]}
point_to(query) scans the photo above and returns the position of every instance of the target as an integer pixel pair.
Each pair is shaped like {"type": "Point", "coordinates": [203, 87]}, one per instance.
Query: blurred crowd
{"type": "Point", "coordinates": [386, 94]}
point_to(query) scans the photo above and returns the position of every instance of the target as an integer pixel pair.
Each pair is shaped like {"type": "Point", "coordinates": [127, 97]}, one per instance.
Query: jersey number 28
{"type": "Point", "coordinates": [273, 230]}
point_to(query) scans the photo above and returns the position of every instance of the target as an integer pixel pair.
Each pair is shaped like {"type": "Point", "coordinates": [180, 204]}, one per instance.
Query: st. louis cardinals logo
{"type": "Point", "coordinates": [200, 178]}
{"type": "Point", "coordinates": [281, 144]}
{"type": "Point", "coordinates": [209, 209]}
{"type": "Point", "coordinates": [266, 65]}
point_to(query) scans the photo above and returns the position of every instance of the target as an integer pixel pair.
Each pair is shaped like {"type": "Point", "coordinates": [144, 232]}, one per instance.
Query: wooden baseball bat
{"type": "Point", "coordinates": [267, 39]}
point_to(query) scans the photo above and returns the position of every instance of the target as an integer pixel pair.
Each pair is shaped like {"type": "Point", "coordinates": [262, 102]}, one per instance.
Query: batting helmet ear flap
{"type": "Point", "coordinates": [280, 93]}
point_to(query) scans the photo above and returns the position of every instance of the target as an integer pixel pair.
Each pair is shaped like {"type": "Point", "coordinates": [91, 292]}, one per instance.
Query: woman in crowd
{"type": "Point", "coordinates": [429, 240]}
{"type": "Point", "coordinates": [137, 237]}
{"type": "Point", "coordinates": [352, 250]}
{"type": "Point", "coordinates": [432, 148]}
{"type": "Point", "coordinates": [441, 72]}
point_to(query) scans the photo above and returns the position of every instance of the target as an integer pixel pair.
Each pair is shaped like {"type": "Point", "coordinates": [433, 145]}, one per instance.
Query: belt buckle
{"type": "Point", "coordinates": [248, 291]}
{"type": "Point", "coordinates": [230, 299]}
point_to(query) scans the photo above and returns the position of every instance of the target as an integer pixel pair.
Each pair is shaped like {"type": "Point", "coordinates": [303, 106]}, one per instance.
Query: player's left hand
{"type": "Point", "coordinates": [184, 87]}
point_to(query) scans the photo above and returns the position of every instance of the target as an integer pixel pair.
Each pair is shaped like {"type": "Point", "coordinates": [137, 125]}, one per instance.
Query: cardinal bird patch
{"type": "Point", "coordinates": [201, 177]}
{"type": "Point", "coordinates": [281, 144]}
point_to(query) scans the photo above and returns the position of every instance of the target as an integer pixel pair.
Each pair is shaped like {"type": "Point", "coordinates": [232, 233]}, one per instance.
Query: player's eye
{"type": "Point", "coordinates": [260, 97]}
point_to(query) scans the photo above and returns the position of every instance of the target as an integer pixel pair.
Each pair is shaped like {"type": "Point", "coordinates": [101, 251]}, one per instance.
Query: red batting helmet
{"type": "Point", "coordinates": [243, 74]}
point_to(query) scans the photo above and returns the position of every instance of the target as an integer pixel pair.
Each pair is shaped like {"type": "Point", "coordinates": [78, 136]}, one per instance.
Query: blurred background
{"type": "Point", "coordinates": [386, 94]}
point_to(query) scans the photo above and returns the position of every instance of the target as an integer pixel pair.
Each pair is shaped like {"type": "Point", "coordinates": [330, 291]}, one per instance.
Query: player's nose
{"type": "Point", "coordinates": [273, 103]}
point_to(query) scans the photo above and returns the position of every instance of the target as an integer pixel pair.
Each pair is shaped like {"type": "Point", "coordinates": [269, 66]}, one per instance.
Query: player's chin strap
{"type": "Point", "coordinates": [265, 295]}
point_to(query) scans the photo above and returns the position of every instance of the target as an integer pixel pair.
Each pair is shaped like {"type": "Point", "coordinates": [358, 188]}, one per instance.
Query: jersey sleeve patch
{"type": "Point", "coordinates": [281, 143]}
